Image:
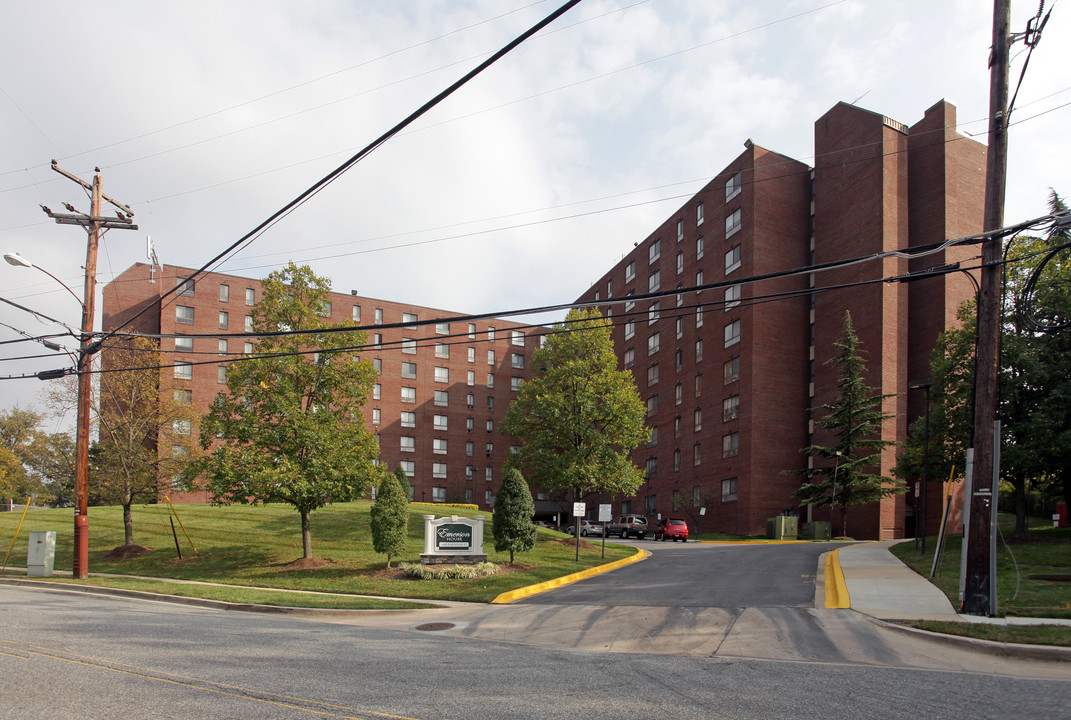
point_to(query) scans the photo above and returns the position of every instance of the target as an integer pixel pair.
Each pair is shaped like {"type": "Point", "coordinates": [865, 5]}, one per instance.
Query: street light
{"type": "Point", "coordinates": [920, 532]}
{"type": "Point", "coordinates": [833, 500]}
{"type": "Point", "coordinates": [81, 455]}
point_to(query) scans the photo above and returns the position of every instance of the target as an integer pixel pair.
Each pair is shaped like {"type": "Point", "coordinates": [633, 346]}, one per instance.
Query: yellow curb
{"type": "Point", "coordinates": [520, 593]}
{"type": "Point", "coordinates": [836, 589]}
{"type": "Point", "coordinates": [756, 542]}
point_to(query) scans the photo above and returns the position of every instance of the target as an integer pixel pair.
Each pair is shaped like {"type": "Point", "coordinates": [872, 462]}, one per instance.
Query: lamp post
{"type": "Point", "coordinates": [920, 521]}
{"type": "Point", "coordinates": [833, 500]}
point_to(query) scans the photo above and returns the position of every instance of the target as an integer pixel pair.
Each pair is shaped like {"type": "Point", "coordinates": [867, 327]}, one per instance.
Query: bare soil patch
{"type": "Point", "coordinates": [306, 564]}
{"type": "Point", "coordinates": [125, 552]}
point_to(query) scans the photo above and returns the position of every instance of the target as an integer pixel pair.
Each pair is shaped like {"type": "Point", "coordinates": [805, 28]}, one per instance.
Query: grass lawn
{"type": "Point", "coordinates": [1043, 550]}
{"type": "Point", "coordinates": [255, 546]}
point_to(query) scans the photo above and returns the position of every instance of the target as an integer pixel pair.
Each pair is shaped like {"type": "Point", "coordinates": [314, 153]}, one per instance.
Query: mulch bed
{"type": "Point", "coordinates": [125, 552]}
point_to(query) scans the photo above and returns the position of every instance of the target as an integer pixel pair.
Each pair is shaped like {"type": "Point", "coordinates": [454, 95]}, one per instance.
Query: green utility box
{"type": "Point", "coordinates": [818, 530]}
{"type": "Point", "coordinates": [782, 527]}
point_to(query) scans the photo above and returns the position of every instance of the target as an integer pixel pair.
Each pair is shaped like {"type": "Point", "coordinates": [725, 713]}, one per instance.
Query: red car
{"type": "Point", "coordinates": [672, 529]}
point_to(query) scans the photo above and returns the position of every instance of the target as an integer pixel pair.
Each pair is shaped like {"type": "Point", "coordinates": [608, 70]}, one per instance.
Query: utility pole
{"type": "Point", "coordinates": [93, 223]}
{"type": "Point", "coordinates": [979, 594]}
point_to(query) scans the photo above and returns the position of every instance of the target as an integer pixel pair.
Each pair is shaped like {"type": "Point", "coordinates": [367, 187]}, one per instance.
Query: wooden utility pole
{"type": "Point", "coordinates": [979, 594]}
{"type": "Point", "coordinates": [93, 223]}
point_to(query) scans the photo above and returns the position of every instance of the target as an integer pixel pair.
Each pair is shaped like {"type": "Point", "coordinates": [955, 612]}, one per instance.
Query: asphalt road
{"type": "Point", "coordinates": [703, 575]}
{"type": "Point", "coordinates": [67, 655]}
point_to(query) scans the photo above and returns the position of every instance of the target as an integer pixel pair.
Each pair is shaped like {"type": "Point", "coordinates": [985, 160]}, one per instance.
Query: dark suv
{"type": "Point", "coordinates": [628, 525]}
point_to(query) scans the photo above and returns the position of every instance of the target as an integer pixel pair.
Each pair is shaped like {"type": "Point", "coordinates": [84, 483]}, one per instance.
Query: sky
{"type": "Point", "coordinates": [518, 191]}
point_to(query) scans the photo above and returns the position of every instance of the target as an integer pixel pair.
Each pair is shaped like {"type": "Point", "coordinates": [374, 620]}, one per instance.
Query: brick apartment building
{"type": "Point", "coordinates": [443, 388]}
{"type": "Point", "coordinates": [733, 375]}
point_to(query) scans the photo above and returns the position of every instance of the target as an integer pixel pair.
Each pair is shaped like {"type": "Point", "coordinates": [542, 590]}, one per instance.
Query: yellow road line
{"type": "Point", "coordinates": [519, 593]}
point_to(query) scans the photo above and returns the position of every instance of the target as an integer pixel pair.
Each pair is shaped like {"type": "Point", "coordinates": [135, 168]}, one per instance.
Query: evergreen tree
{"type": "Point", "coordinates": [512, 523]}
{"type": "Point", "coordinates": [579, 417]}
{"type": "Point", "coordinates": [390, 516]}
{"type": "Point", "coordinates": [845, 477]}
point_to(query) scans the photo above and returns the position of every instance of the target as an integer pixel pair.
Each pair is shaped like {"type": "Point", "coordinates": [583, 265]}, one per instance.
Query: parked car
{"type": "Point", "coordinates": [586, 528]}
{"type": "Point", "coordinates": [672, 529]}
{"type": "Point", "coordinates": [628, 525]}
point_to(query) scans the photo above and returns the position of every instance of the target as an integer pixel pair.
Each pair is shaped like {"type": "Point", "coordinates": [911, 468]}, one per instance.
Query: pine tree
{"type": "Point", "coordinates": [855, 419]}
{"type": "Point", "coordinates": [390, 516]}
{"type": "Point", "coordinates": [512, 523]}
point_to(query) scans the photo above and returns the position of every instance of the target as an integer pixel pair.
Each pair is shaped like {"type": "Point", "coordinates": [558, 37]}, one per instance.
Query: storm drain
{"type": "Point", "coordinates": [432, 627]}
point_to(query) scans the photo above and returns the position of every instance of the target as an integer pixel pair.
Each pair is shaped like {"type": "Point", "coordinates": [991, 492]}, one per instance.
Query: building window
{"type": "Point", "coordinates": [699, 248]}
{"type": "Point", "coordinates": [678, 360]}
{"type": "Point", "coordinates": [517, 361]}
{"type": "Point", "coordinates": [470, 424]}
{"type": "Point", "coordinates": [470, 401]}
{"type": "Point", "coordinates": [183, 371]}
{"type": "Point", "coordinates": [732, 259]}
{"type": "Point", "coordinates": [655, 251]}
{"type": "Point", "coordinates": [680, 230]}
{"type": "Point", "coordinates": [408, 370]}
{"type": "Point", "coordinates": [515, 383]}
{"type": "Point", "coordinates": [472, 354]}
{"type": "Point", "coordinates": [183, 397]}
{"type": "Point", "coordinates": [609, 289]}
{"type": "Point", "coordinates": [653, 439]}
{"type": "Point", "coordinates": [470, 378]}
{"type": "Point", "coordinates": [377, 365]}
{"type": "Point", "coordinates": [489, 449]}
{"type": "Point", "coordinates": [181, 427]}
{"type": "Point", "coordinates": [652, 313]}
{"type": "Point", "coordinates": [676, 460]}
{"type": "Point", "coordinates": [409, 318]}
{"type": "Point", "coordinates": [699, 214]}
{"type": "Point", "coordinates": [698, 384]}
{"type": "Point", "coordinates": [730, 445]}
{"type": "Point", "coordinates": [696, 458]}
{"type": "Point", "coordinates": [652, 405]}
{"type": "Point", "coordinates": [730, 408]}
{"type": "Point", "coordinates": [247, 348]}
{"type": "Point", "coordinates": [356, 313]}
{"type": "Point", "coordinates": [699, 316]}
{"type": "Point", "coordinates": [408, 346]}
{"type": "Point", "coordinates": [185, 287]}
{"type": "Point", "coordinates": [377, 416]}
{"type": "Point", "coordinates": [490, 403]}
{"type": "Point", "coordinates": [728, 490]}
{"type": "Point", "coordinates": [732, 223]}
{"type": "Point", "coordinates": [224, 320]}
{"type": "Point", "coordinates": [409, 468]}
{"type": "Point", "coordinates": [630, 271]}
{"type": "Point", "coordinates": [442, 328]}
{"type": "Point", "coordinates": [732, 186]}
{"type": "Point", "coordinates": [408, 443]}
{"type": "Point", "coordinates": [490, 426]}
{"type": "Point", "coordinates": [680, 261]}
{"type": "Point", "coordinates": [408, 395]}
{"type": "Point", "coordinates": [377, 341]}
{"type": "Point", "coordinates": [438, 446]}
{"type": "Point", "coordinates": [652, 467]}
{"type": "Point", "coordinates": [698, 419]}
{"type": "Point", "coordinates": [653, 344]}
{"type": "Point", "coordinates": [652, 375]}
{"type": "Point", "coordinates": [677, 394]}
{"type": "Point", "coordinates": [438, 494]}
{"type": "Point", "coordinates": [491, 380]}
{"type": "Point", "coordinates": [468, 451]}
{"type": "Point", "coordinates": [630, 358]}
{"type": "Point", "coordinates": [251, 296]}
{"type": "Point", "coordinates": [732, 296]}
{"type": "Point", "coordinates": [630, 329]}
{"type": "Point", "coordinates": [472, 331]}
{"type": "Point", "coordinates": [732, 333]}
{"type": "Point", "coordinates": [490, 357]}
{"type": "Point", "coordinates": [676, 427]}
{"type": "Point", "coordinates": [491, 333]}
{"type": "Point", "coordinates": [378, 316]}
{"type": "Point", "coordinates": [629, 304]}
{"type": "Point", "coordinates": [731, 370]}
{"type": "Point", "coordinates": [517, 338]}
{"type": "Point", "coordinates": [224, 293]}
{"type": "Point", "coordinates": [439, 422]}
{"type": "Point", "coordinates": [249, 323]}
{"type": "Point", "coordinates": [438, 471]}
{"type": "Point", "coordinates": [408, 419]}
{"type": "Point", "coordinates": [488, 496]}
{"type": "Point", "coordinates": [679, 327]}
{"type": "Point", "coordinates": [184, 343]}
{"type": "Point", "coordinates": [442, 398]}
{"type": "Point", "coordinates": [184, 314]}
{"type": "Point", "coordinates": [377, 392]}
{"type": "Point", "coordinates": [442, 374]}
{"type": "Point", "coordinates": [698, 351]}
{"type": "Point", "coordinates": [222, 346]}
{"type": "Point", "coordinates": [325, 309]}
{"type": "Point", "coordinates": [654, 282]}
{"type": "Point", "coordinates": [442, 350]}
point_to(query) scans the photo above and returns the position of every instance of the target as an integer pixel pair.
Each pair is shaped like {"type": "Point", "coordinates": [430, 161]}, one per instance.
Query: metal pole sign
{"type": "Point", "coordinates": [579, 509]}
{"type": "Point", "coordinates": [604, 517]}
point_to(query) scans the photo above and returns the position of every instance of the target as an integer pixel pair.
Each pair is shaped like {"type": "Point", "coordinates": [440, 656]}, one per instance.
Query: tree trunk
{"type": "Point", "coordinates": [128, 521]}
{"type": "Point", "coordinates": [306, 534]}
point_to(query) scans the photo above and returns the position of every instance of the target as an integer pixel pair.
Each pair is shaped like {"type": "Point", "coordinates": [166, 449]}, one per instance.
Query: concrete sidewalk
{"type": "Point", "coordinates": [881, 586]}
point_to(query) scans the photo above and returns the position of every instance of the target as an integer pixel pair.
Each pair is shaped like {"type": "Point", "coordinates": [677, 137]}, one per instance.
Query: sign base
{"type": "Point", "coordinates": [438, 559]}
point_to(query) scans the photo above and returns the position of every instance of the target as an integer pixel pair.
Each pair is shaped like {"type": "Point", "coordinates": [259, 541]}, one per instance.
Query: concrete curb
{"type": "Point", "coordinates": [521, 593]}
{"type": "Point", "coordinates": [836, 589]}
{"type": "Point", "coordinates": [1049, 653]}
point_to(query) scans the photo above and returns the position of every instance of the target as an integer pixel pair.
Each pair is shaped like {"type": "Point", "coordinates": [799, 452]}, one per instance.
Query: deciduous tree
{"type": "Point", "coordinates": [579, 417]}
{"type": "Point", "coordinates": [291, 428]}
{"type": "Point", "coordinates": [512, 522]}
